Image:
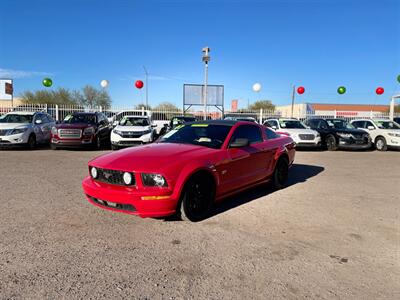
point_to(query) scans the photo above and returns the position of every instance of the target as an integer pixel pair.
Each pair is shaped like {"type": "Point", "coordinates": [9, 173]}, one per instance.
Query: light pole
{"type": "Point", "coordinates": [293, 96]}
{"type": "Point", "coordinates": [147, 88]}
{"type": "Point", "coordinates": [391, 110]}
{"type": "Point", "coordinates": [206, 59]}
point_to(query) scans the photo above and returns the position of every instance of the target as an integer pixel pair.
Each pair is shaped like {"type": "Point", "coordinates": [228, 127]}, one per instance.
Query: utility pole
{"type": "Point", "coordinates": [293, 95]}
{"type": "Point", "coordinates": [147, 87]}
{"type": "Point", "coordinates": [206, 59]}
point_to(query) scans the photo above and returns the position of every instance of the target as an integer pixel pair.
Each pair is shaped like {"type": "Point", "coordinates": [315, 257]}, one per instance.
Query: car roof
{"type": "Point", "coordinates": [84, 113]}
{"type": "Point", "coordinates": [221, 122]}
{"type": "Point", "coordinates": [25, 112]}
{"type": "Point", "coordinates": [137, 117]}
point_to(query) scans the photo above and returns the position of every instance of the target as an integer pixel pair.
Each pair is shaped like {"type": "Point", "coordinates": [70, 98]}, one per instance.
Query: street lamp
{"type": "Point", "coordinates": [147, 87]}
{"type": "Point", "coordinates": [206, 59]}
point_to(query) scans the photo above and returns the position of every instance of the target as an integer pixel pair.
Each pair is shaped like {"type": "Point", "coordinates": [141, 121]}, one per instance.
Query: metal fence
{"type": "Point", "coordinates": [59, 112]}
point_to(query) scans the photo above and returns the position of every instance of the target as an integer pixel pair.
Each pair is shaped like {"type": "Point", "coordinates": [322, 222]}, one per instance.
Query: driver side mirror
{"type": "Point", "coordinates": [154, 125]}
{"type": "Point", "coordinates": [370, 127]}
{"type": "Point", "coordinates": [239, 143]}
{"type": "Point", "coordinates": [115, 123]}
{"type": "Point", "coordinates": [274, 127]}
{"type": "Point", "coordinates": [38, 122]}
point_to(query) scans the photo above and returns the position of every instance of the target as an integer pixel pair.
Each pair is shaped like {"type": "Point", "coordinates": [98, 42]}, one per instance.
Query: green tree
{"type": "Point", "coordinates": [92, 97]}
{"type": "Point", "coordinates": [60, 96]}
{"type": "Point", "coordinates": [142, 105]}
{"type": "Point", "coordinates": [262, 104]}
{"type": "Point", "coordinates": [166, 106]}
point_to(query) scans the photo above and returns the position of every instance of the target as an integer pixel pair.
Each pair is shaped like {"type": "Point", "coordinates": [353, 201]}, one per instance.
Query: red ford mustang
{"type": "Point", "coordinates": [189, 169]}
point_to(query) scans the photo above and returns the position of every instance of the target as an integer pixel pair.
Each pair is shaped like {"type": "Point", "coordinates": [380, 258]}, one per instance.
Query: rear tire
{"type": "Point", "coordinates": [281, 173]}
{"type": "Point", "coordinates": [331, 143]}
{"type": "Point", "coordinates": [32, 141]}
{"type": "Point", "coordinates": [380, 144]}
{"type": "Point", "coordinates": [197, 198]}
{"type": "Point", "coordinates": [53, 147]}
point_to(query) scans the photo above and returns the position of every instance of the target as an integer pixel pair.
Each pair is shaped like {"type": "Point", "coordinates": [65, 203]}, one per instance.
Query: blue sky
{"type": "Point", "coordinates": [317, 44]}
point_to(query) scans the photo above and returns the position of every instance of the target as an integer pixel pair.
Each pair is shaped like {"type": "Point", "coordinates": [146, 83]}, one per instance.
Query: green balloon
{"type": "Point", "coordinates": [47, 82]}
{"type": "Point", "coordinates": [341, 90]}
{"type": "Point", "coordinates": [398, 78]}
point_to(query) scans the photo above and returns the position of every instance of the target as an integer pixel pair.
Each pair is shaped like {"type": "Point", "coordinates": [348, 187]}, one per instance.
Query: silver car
{"type": "Point", "coordinates": [21, 128]}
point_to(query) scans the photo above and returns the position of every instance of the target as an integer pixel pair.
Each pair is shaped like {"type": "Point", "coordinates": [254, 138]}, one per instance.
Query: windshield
{"type": "Point", "coordinates": [339, 124]}
{"type": "Point", "coordinates": [80, 119]}
{"type": "Point", "coordinates": [16, 118]}
{"type": "Point", "coordinates": [181, 120]}
{"type": "Point", "coordinates": [132, 121]}
{"type": "Point", "coordinates": [387, 125]}
{"type": "Point", "coordinates": [291, 124]}
{"type": "Point", "coordinates": [208, 135]}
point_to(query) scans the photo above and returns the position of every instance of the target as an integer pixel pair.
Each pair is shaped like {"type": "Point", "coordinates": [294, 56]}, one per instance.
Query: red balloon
{"type": "Point", "coordinates": [301, 90]}
{"type": "Point", "coordinates": [139, 84]}
{"type": "Point", "coordinates": [380, 90]}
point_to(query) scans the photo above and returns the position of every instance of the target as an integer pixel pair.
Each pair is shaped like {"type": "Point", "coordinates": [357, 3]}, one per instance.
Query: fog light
{"type": "Point", "coordinates": [93, 172]}
{"type": "Point", "coordinates": [127, 177]}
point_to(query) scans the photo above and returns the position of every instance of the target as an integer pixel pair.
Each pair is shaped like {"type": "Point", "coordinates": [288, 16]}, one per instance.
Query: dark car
{"type": "Point", "coordinates": [397, 120]}
{"type": "Point", "coordinates": [83, 130]}
{"type": "Point", "coordinates": [176, 121]}
{"type": "Point", "coordinates": [338, 133]}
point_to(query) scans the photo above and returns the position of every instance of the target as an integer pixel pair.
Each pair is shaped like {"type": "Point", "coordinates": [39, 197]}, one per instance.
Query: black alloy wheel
{"type": "Point", "coordinates": [281, 173]}
{"type": "Point", "coordinates": [32, 141]}
{"type": "Point", "coordinates": [331, 143]}
{"type": "Point", "coordinates": [197, 199]}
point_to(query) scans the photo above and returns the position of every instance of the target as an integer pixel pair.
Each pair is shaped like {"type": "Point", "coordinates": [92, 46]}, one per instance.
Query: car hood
{"type": "Point", "coordinates": [13, 125]}
{"type": "Point", "coordinates": [350, 130]}
{"type": "Point", "coordinates": [74, 126]}
{"type": "Point", "coordinates": [132, 128]}
{"type": "Point", "coordinates": [151, 158]}
{"type": "Point", "coordinates": [293, 131]}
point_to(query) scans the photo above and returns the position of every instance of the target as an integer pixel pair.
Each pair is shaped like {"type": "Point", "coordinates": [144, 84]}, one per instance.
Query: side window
{"type": "Point", "coordinates": [270, 134]}
{"type": "Point", "coordinates": [49, 118]}
{"type": "Point", "coordinates": [312, 123]}
{"type": "Point", "coordinates": [104, 118]}
{"type": "Point", "coordinates": [250, 132]}
{"type": "Point", "coordinates": [271, 123]}
{"type": "Point", "coordinates": [358, 124]}
{"type": "Point", "coordinates": [368, 123]}
{"type": "Point", "coordinates": [323, 124]}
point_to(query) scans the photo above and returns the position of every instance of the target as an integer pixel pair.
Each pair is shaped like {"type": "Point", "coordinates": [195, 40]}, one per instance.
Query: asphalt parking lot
{"type": "Point", "coordinates": [334, 232]}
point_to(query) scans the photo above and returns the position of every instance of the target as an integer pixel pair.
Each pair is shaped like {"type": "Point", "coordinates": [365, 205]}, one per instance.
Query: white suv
{"type": "Point", "coordinates": [21, 128]}
{"type": "Point", "coordinates": [301, 135]}
{"type": "Point", "coordinates": [384, 133]}
{"type": "Point", "coordinates": [132, 130]}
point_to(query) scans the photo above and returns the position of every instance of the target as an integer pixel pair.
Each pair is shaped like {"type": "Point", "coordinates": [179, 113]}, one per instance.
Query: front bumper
{"type": "Point", "coordinates": [315, 143]}
{"type": "Point", "coordinates": [117, 140]}
{"type": "Point", "coordinates": [129, 199]}
{"type": "Point", "coordinates": [85, 141]}
{"type": "Point", "coordinates": [20, 139]}
{"type": "Point", "coordinates": [351, 144]}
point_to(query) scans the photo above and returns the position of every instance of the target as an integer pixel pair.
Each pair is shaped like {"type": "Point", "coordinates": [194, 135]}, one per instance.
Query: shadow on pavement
{"type": "Point", "coordinates": [298, 173]}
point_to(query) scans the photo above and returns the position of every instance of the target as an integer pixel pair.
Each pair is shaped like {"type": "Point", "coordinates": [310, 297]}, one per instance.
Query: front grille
{"type": "Point", "coordinates": [129, 143]}
{"type": "Point", "coordinates": [120, 206]}
{"type": "Point", "coordinates": [132, 134]}
{"type": "Point", "coordinates": [70, 133]}
{"type": "Point", "coordinates": [113, 177]}
{"type": "Point", "coordinates": [306, 137]}
{"type": "Point", "coordinates": [3, 132]}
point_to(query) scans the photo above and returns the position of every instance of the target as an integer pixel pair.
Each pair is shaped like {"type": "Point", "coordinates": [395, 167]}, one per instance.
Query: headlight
{"type": "Point", "coordinates": [154, 180]}
{"type": "Point", "coordinates": [394, 134]}
{"type": "Point", "coordinates": [54, 131]}
{"type": "Point", "coordinates": [17, 131]}
{"type": "Point", "coordinates": [147, 131]}
{"type": "Point", "coordinates": [117, 132]}
{"type": "Point", "coordinates": [88, 131]}
{"type": "Point", "coordinates": [344, 135]}
{"type": "Point", "coordinates": [127, 177]}
{"type": "Point", "coordinates": [317, 135]}
{"type": "Point", "coordinates": [93, 172]}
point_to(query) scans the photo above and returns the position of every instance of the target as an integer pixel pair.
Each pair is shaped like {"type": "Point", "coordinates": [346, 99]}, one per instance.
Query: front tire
{"type": "Point", "coordinates": [331, 143]}
{"type": "Point", "coordinates": [380, 144]}
{"type": "Point", "coordinates": [114, 147]}
{"type": "Point", "coordinates": [53, 146]}
{"type": "Point", "coordinates": [32, 141]}
{"type": "Point", "coordinates": [281, 173]}
{"type": "Point", "coordinates": [97, 143]}
{"type": "Point", "coordinates": [197, 199]}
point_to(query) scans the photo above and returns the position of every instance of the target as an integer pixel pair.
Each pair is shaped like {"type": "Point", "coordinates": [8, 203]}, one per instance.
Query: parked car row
{"type": "Point", "coordinates": [94, 129]}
